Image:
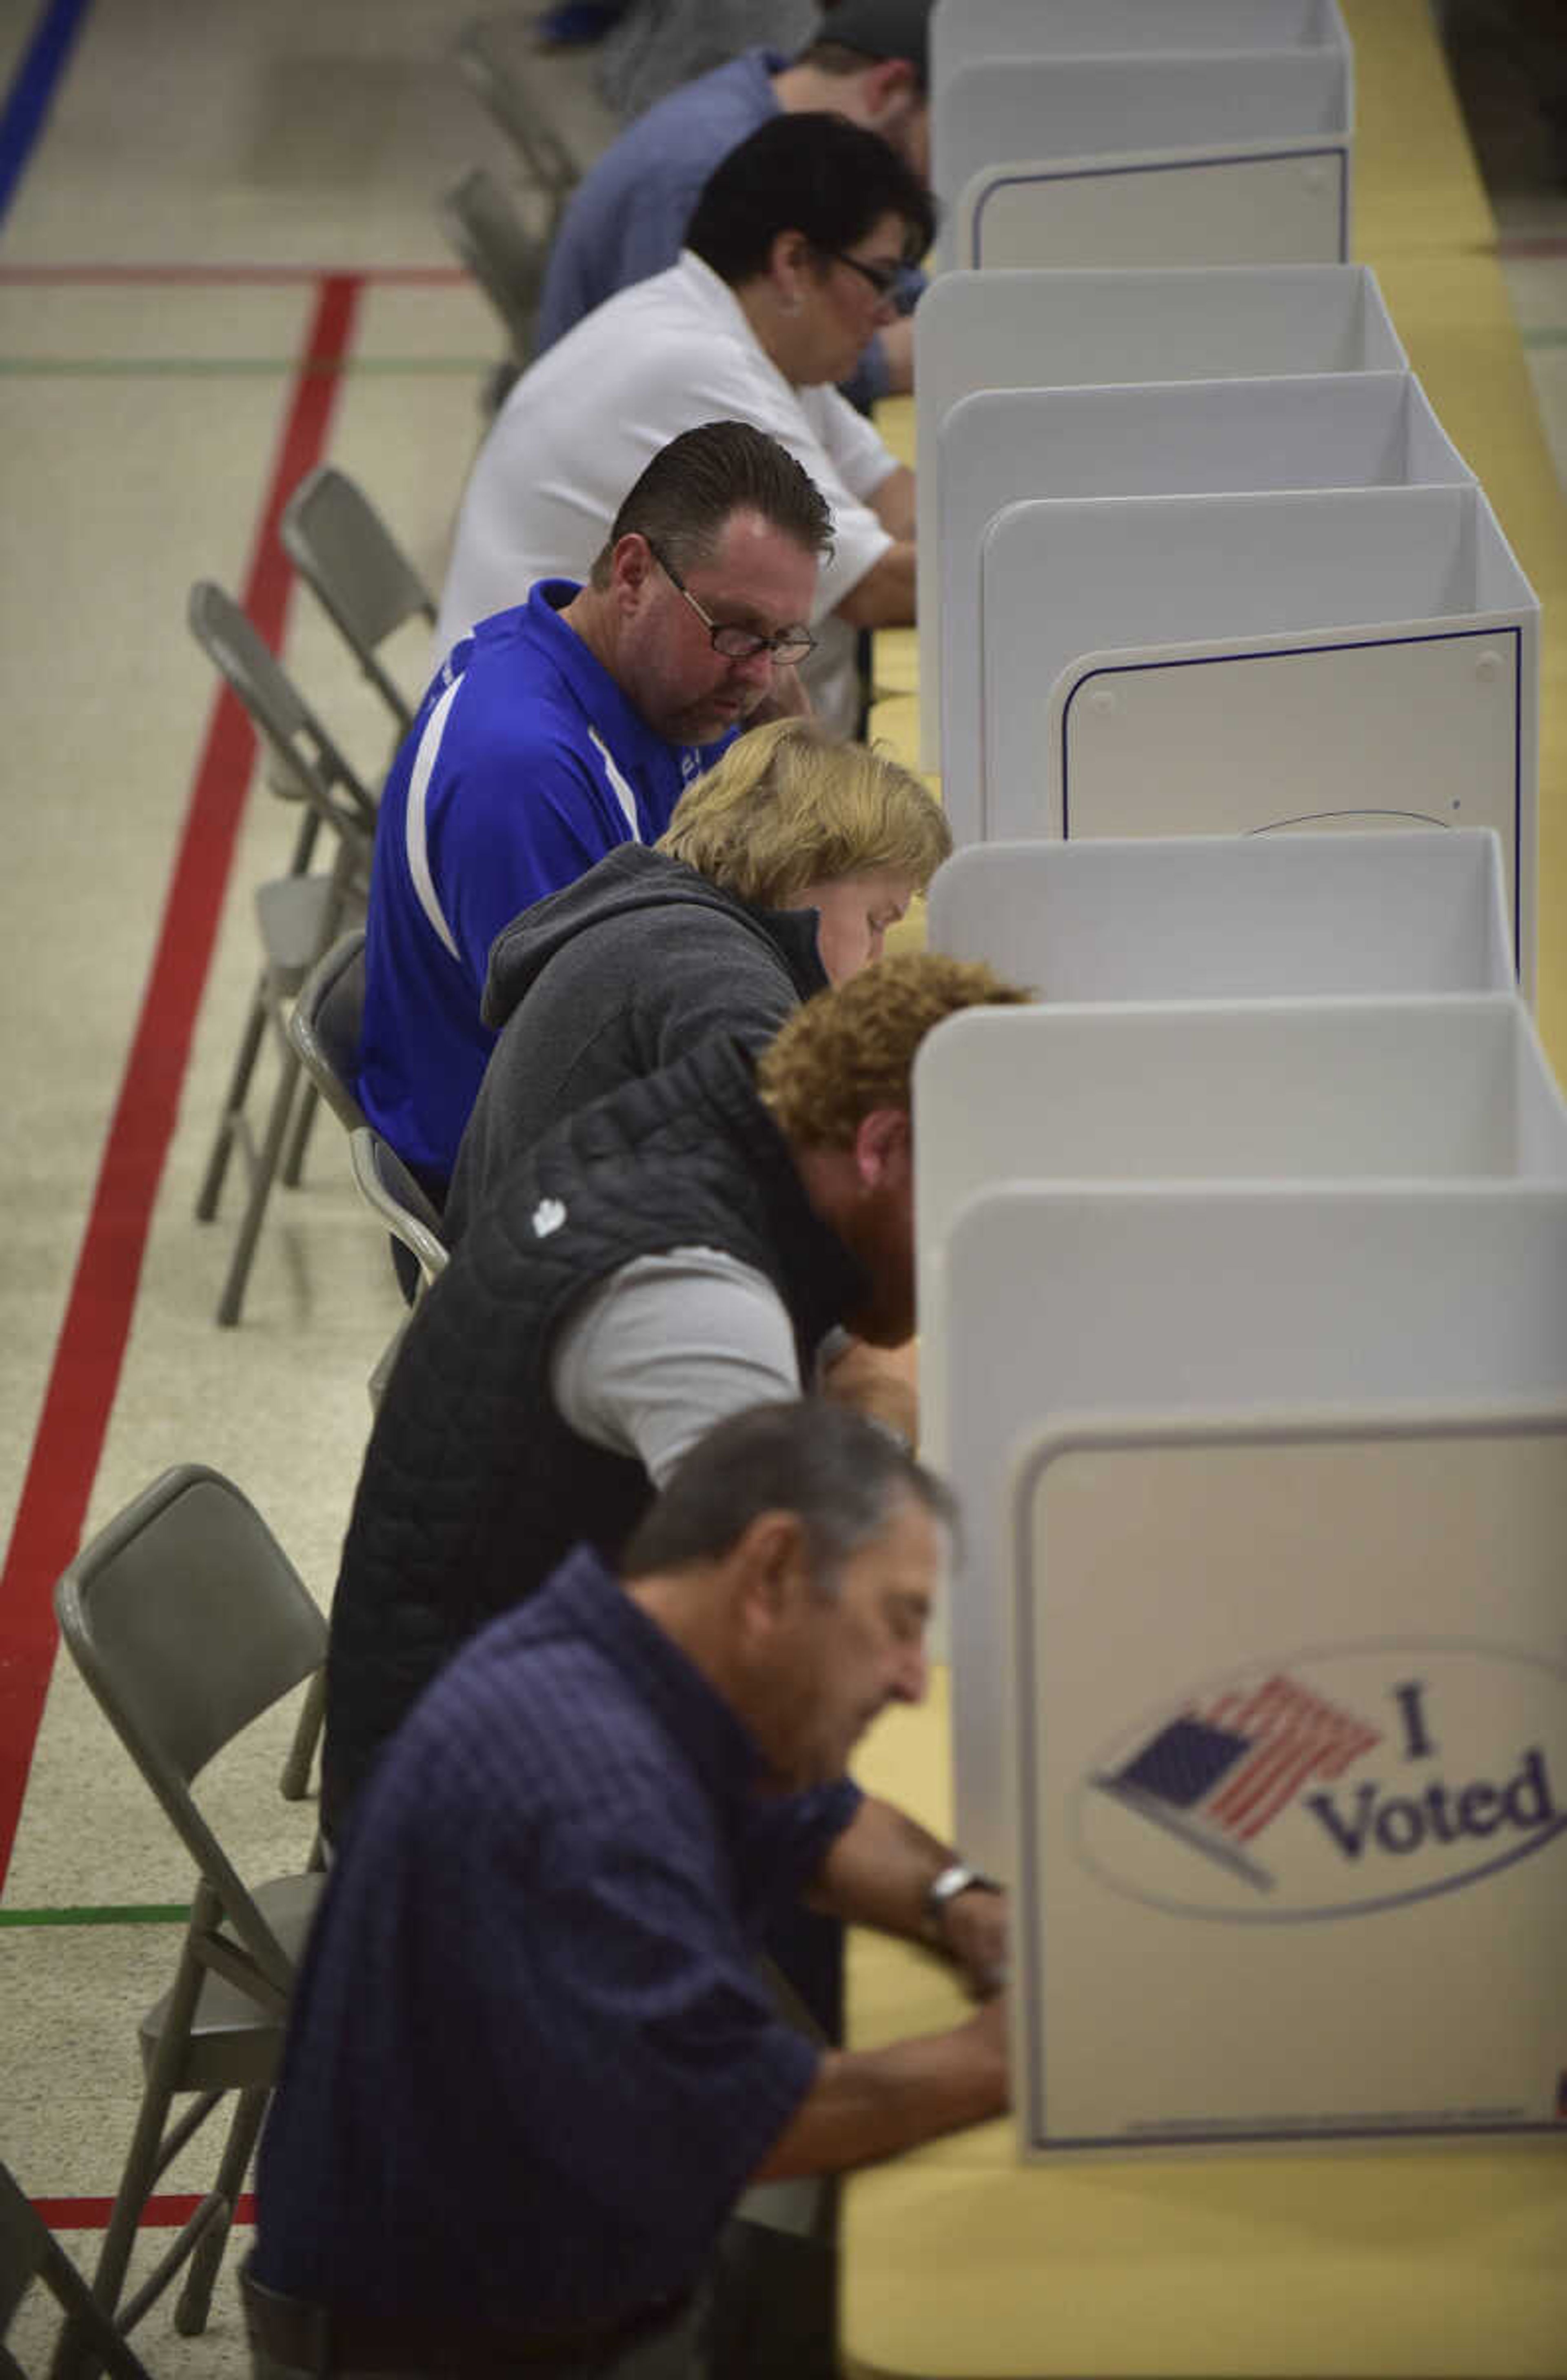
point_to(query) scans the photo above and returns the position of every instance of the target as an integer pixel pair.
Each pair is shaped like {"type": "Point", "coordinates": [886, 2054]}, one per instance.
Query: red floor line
{"type": "Point", "coordinates": [90, 1347]}
{"type": "Point", "coordinates": [159, 2213]}
{"type": "Point", "coordinates": [1527, 243]}
{"type": "Point", "coordinates": [204, 276]}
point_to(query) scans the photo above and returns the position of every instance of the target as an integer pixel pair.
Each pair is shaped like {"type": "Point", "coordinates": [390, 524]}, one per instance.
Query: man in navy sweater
{"type": "Point", "coordinates": [531, 2066]}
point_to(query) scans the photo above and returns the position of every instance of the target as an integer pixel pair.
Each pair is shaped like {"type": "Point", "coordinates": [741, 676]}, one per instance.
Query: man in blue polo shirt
{"type": "Point", "coordinates": [564, 727]}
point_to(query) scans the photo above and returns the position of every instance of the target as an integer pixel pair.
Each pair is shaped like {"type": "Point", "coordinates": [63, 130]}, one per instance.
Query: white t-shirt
{"type": "Point", "coordinates": [582, 423]}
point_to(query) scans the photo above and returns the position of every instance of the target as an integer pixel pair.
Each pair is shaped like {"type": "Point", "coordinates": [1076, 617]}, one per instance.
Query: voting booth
{"type": "Point", "coordinates": [1145, 158]}
{"type": "Point", "coordinates": [997, 447]}
{"type": "Point", "coordinates": [979, 330]}
{"type": "Point", "coordinates": [1235, 663]}
{"type": "Point", "coordinates": [964, 31]}
{"type": "Point", "coordinates": [1117, 1300]}
{"type": "Point", "coordinates": [1289, 1708]}
{"type": "Point", "coordinates": [1296, 1100]}
{"type": "Point", "coordinates": [1232, 917]}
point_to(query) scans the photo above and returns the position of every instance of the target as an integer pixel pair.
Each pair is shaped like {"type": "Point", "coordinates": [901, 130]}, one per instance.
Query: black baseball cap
{"type": "Point", "coordinates": [882, 28]}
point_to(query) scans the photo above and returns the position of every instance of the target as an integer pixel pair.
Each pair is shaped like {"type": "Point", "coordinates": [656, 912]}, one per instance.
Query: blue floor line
{"type": "Point", "coordinates": [32, 89]}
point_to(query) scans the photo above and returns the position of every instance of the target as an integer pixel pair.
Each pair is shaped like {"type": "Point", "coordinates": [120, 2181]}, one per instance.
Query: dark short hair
{"type": "Point", "coordinates": [840, 1472]}
{"type": "Point", "coordinates": [694, 484]}
{"type": "Point", "coordinates": [808, 172]}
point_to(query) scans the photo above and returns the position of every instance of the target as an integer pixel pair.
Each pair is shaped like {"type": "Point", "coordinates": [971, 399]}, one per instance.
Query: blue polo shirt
{"type": "Point", "coordinates": [524, 765]}
{"type": "Point", "coordinates": [529, 2064]}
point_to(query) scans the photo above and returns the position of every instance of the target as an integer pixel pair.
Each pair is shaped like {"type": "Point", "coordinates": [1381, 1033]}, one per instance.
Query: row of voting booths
{"type": "Point", "coordinates": [1243, 1251]}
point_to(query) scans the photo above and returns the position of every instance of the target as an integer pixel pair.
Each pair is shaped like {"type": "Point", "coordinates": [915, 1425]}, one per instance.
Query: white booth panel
{"type": "Point", "coordinates": [1290, 1715]}
{"type": "Point", "coordinates": [1076, 109]}
{"type": "Point", "coordinates": [974, 331]}
{"type": "Point", "coordinates": [1440, 1088]}
{"type": "Point", "coordinates": [964, 31]}
{"type": "Point", "coordinates": [1243, 203]}
{"type": "Point", "coordinates": [996, 447]}
{"type": "Point", "coordinates": [1244, 662]}
{"type": "Point", "coordinates": [1445, 1087]}
{"type": "Point", "coordinates": [1082, 117]}
{"type": "Point", "coordinates": [1232, 917]}
{"type": "Point", "coordinates": [1119, 1301]}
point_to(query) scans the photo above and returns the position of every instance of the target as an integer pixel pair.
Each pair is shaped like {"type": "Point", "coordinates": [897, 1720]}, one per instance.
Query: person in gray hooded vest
{"type": "Point", "coordinates": [780, 873]}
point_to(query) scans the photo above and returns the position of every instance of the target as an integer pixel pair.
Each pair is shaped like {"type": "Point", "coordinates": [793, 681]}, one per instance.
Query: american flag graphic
{"type": "Point", "coordinates": [1226, 1764]}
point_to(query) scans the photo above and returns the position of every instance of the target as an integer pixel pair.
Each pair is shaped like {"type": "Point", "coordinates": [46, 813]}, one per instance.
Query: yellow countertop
{"type": "Point", "coordinates": [1416, 186]}
{"type": "Point", "coordinates": [1439, 2264]}
{"type": "Point", "coordinates": [959, 2263]}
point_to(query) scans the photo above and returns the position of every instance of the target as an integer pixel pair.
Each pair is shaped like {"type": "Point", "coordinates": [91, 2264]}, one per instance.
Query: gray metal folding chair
{"type": "Point", "coordinates": [504, 257]}
{"type": "Point", "coordinates": [344, 551]}
{"type": "Point", "coordinates": [495, 57]}
{"type": "Point", "coordinates": [390, 1190]}
{"type": "Point", "coordinates": [29, 2252]}
{"type": "Point", "coordinates": [324, 1026]}
{"type": "Point", "coordinates": [188, 1621]}
{"type": "Point", "coordinates": [298, 914]}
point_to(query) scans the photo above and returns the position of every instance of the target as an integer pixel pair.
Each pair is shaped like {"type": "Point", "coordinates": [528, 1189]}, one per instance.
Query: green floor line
{"type": "Point", "coordinates": [1556, 336]}
{"type": "Point", "coordinates": [225, 366]}
{"type": "Point", "coordinates": [131, 1913]}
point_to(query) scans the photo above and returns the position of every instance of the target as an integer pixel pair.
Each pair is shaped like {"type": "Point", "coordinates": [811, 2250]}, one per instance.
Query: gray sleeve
{"type": "Point", "coordinates": [666, 1347]}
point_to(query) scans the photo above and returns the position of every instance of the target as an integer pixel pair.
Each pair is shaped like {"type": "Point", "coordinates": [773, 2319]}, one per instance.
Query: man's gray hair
{"type": "Point", "coordinates": [842, 1473]}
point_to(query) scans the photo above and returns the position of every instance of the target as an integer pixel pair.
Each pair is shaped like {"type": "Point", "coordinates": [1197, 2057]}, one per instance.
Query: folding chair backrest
{"type": "Point", "coordinates": [498, 249]}
{"type": "Point", "coordinates": [30, 2251]}
{"type": "Point", "coordinates": [312, 767]}
{"type": "Point", "coordinates": [325, 1023]}
{"type": "Point", "coordinates": [493, 53]}
{"type": "Point", "coordinates": [365, 582]}
{"type": "Point", "coordinates": [187, 1619]}
{"type": "Point", "coordinates": [388, 1187]}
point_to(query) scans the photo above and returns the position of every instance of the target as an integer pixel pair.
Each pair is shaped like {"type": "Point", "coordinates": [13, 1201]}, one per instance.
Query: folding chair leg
{"type": "Point", "coordinates": [295, 1783]}
{"type": "Point", "coordinates": [195, 2298]}
{"type": "Point", "coordinates": [74, 2357]}
{"type": "Point", "coordinates": [261, 1177]}
{"type": "Point", "coordinates": [234, 1101]}
{"type": "Point", "coordinates": [294, 1163]}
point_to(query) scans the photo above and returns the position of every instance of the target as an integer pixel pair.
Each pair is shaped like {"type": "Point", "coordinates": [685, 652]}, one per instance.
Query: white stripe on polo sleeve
{"type": "Point", "coordinates": [618, 785]}
{"type": "Point", "coordinates": [415, 839]}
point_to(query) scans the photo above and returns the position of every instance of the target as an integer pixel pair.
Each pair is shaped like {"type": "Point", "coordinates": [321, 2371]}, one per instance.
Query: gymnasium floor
{"type": "Point", "coordinates": [219, 263]}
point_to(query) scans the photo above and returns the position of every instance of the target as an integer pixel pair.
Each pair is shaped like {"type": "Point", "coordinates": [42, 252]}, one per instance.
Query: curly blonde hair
{"type": "Point", "coordinates": [787, 808]}
{"type": "Point", "coordinates": [851, 1051]}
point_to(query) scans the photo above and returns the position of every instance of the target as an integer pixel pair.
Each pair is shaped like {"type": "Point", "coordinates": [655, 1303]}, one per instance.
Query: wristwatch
{"type": "Point", "coordinates": [943, 1889]}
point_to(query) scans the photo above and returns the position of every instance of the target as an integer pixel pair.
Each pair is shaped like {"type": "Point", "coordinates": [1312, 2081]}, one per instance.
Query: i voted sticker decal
{"type": "Point", "coordinates": [1334, 1782]}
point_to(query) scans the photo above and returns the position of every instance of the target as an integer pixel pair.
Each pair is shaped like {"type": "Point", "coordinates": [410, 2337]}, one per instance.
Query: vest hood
{"type": "Point", "coordinates": [626, 881]}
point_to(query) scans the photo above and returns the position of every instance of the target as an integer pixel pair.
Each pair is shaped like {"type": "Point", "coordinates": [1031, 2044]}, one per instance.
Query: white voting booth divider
{"type": "Point", "coordinates": [1230, 663]}
{"type": "Point", "coordinates": [990, 331]}
{"type": "Point", "coordinates": [1290, 1711]}
{"type": "Point", "coordinates": [1223, 158]}
{"type": "Point", "coordinates": [964, 31]}
{"type": "Point", "coordinates": [1111, 1300]}
{"type": "Point", "coordinates": [1232, 917]}
{"type": "Point", "coordinates": [997, 447]}
{"type": "Point", "coordinates": [1441, 1086]}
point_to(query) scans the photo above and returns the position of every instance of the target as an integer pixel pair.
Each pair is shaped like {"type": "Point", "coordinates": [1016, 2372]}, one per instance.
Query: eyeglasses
{"type": "Point", "coordinates": [728, 639]}
{"type": "Point", "coordinates": [883, 278]}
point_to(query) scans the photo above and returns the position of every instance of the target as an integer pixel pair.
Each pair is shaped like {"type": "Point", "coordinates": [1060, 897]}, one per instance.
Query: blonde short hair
{"type": "Point", "coordinates": [786, 807]}
{"type": "Point", "coordinates": [851, 1051]}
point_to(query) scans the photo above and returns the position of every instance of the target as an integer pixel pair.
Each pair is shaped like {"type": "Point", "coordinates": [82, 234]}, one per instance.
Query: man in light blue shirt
{"type": "Point", "coordinates": [626, 219]}
{"type": "Point", "coordinates": [559, 729]}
